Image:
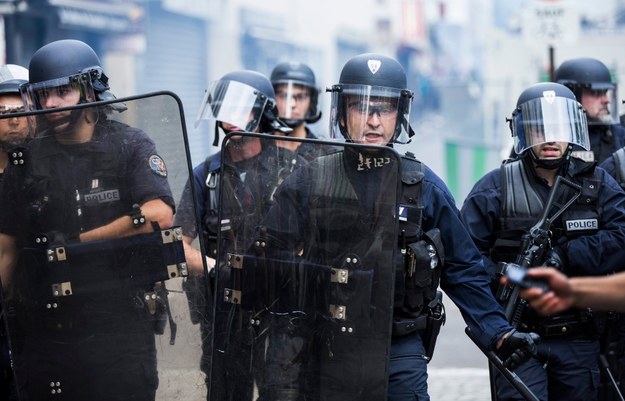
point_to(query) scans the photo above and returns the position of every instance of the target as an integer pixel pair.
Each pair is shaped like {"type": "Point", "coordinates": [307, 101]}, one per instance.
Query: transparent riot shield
{"type": "Point", "coordinates": [92, 265]}
{"type": "Point", "coordinates": [305, 272]}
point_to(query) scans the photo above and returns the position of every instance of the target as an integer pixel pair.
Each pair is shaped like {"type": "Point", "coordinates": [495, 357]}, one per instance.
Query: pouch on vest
{"type": "Point", "coordinates": [424, 260]}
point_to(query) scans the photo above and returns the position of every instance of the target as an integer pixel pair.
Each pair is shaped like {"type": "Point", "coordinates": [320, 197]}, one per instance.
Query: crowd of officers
{"type": "Point", "coordinates": [301, 212]}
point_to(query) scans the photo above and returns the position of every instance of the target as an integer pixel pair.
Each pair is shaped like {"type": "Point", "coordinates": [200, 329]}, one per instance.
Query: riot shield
{"type": "Point", "coordinates": [305, 271]}
{"type": "Point", "coordinates": [92, 264]}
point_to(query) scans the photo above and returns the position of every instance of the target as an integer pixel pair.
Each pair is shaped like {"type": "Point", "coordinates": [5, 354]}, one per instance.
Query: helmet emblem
{"type": "Point", "coordinates": [550, 96]}
{"type": "Point", "coordinates": [374, 65]}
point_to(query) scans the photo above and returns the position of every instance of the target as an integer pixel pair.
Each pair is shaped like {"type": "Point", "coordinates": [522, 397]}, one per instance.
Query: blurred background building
{"type": "Point", "coordinates": [467, 60]}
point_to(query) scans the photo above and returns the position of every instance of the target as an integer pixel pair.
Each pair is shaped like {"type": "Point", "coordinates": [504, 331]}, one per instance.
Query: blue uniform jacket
{"type": "Point", "coordinates": [596, 254]}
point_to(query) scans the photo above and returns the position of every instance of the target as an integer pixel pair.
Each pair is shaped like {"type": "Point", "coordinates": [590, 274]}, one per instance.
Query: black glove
{"type": "Point", "coordinates": [517, 348]}
{"type": "Point", "coordinates": [556, 257]}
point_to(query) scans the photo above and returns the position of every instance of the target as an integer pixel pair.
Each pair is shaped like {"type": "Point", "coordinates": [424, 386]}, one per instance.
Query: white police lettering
{"type": "Point", "coordinates": [585, 155]}
{"type": "Point", "coordinates": [103, 196]}
{"type": "Point", "coordinates": [582, 224]}
{"type": "Point", "coordinates": [368, 163]}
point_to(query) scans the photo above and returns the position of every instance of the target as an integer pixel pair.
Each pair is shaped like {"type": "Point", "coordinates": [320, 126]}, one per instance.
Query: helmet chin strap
{"type": "Point", "coordinates": [292, 123]}
{"type": "Point", "coordinates": [550, 164]}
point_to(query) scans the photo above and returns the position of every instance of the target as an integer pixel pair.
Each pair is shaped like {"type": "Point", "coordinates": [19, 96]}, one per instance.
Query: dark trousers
{"type": "Point", "coordinates": [408, 369]}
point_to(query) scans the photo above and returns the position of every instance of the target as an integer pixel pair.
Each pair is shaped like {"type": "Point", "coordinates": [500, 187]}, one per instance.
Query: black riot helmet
{"type": "Point", "coordinates": [61, 63]}
{"type": "Point", "coordinates": [588, 74]}
{"type": "Point", "coordinates": [244, 99]}
{"type": "Point", "coordinates": [548, 112]}
{"type": "Point", "coordinates": [286, 78]}
{"type": "Point", "coordinates": [371, 84]}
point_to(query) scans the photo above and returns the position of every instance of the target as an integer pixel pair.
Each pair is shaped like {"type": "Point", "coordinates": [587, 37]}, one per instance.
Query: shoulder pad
{"type": "Point", "coordinates": [411, 170]}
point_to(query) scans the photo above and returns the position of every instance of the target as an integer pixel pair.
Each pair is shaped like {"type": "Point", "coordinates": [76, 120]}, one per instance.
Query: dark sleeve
{"type": "Point", "coordinates": [185, 213]}
{"type": "Point", "coordinates": [480, 213]}
{"type": "Point", "coordinates": [609, 165]}
{"type": "Point", "coordinates": [602, 252]}
{"type": "Point", "coordinates": [147, 170]}
{"type": "Point", "coordinates": [463, 278]}
{"type": "Point", "coordinates": [619, 136]}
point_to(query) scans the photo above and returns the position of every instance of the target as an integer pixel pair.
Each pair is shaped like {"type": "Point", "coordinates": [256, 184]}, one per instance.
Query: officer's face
{"type": "Point", "coordinates": [372, 122]}
{"type": "Point", "coordinates": [293, 101]}
{"type": "Point", "coordinates": [228, 127]}
{"type": "Point", "coordinates": [596, 103]}
{"type": "Point", "coordinates": [13, 130]}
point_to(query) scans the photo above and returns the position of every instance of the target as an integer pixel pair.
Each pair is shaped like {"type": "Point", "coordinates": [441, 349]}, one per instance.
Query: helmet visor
{"type": "Point", "coordinates": [234, 103]}
{"type": "Point", "coordinates": [61, 92]}
{"type": "Point", "coordinates": [549, 119]}
{"type": "Point", "coordinates": [294, 101]}
{"type": "Point", "coordinates": [361, 113]}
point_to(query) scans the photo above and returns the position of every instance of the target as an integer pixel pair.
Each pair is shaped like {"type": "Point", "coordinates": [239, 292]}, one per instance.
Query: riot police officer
{"type": "Point", "coordinates": [245, 166]}
{"type": "Point", "coordinates": [80, 329]}
{"type": "Point", "coordinates": [336, 216]}
{"type": "Point", "coordinates": [297, 98]}
{"type": "Point", "coordinates": [585, 239]}
{"type": "Point", "coordinates": [591, 82]}
{"type": "Point", "coordinates": [13, 131]}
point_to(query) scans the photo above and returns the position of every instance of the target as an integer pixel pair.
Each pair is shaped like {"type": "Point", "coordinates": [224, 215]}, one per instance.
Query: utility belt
{"type": "Point", "coordinates": [581, 324]}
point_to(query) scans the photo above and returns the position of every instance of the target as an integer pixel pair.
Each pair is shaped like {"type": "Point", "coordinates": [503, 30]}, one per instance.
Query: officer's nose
{"type": "Point", "coordinates": [374, 118]}
{"type": "Point", "coordinates": [51, 101]}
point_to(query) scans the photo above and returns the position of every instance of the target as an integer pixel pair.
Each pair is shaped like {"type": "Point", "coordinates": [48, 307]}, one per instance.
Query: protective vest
{"type": "Point", "coordinates": [413, 290]}
{"type": "Point", "coordinates": [76, 188]}
{"type": "Point", "coordinates": [268, 170]}
{"type": "Point", "coordinates": [522, 205]}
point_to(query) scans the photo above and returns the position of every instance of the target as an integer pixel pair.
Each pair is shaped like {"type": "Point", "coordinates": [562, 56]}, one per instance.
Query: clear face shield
{"type": "Point", "coordinates": [233, 103]}
{"type": "Point", "coordinates": [370, 114]}
{"type": "Point", "coordinates": [294, 101]}
{"type": "Point", "coordinates": [549, 119]}
{"type": "Point", "coordinates": [61, 92]}
{"type": "Point", "coordinates": [58, 93]}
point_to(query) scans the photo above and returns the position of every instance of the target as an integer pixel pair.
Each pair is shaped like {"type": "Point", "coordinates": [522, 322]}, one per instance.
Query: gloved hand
{"type": "Point", "coordinates": [517, 348]}
{"type": "Point", "coordinates": [557, 258]}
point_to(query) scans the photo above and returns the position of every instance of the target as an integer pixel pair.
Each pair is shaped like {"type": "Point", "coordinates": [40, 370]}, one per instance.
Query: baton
{"type": "Point", "coordinates": [508, 374]}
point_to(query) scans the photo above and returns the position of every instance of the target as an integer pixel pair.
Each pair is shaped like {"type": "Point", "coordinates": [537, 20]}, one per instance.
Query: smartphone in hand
{"type": "Point", "coordinates": [517, 274]}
